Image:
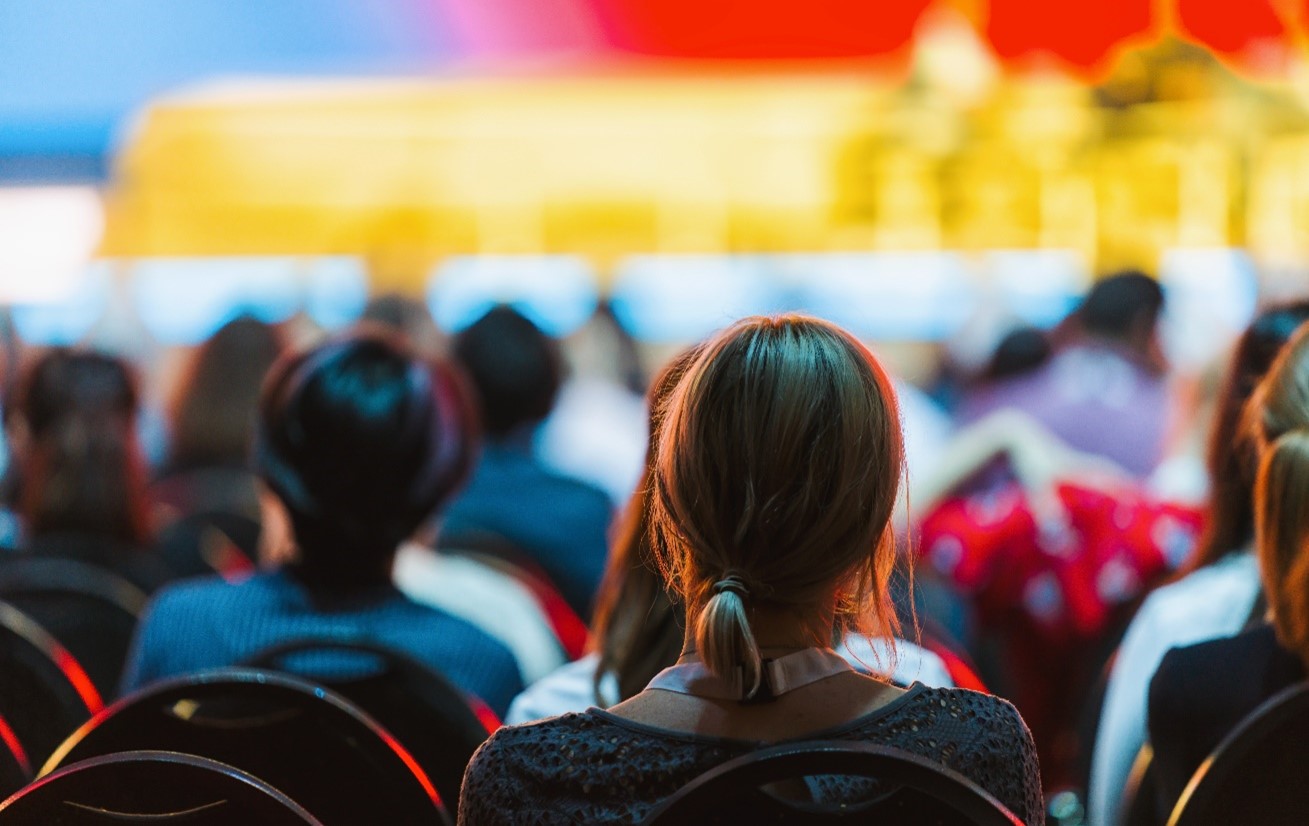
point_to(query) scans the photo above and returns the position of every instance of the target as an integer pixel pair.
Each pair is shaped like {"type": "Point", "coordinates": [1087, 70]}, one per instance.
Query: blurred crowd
{"type": "Point", "coordinates": [1074, 508]}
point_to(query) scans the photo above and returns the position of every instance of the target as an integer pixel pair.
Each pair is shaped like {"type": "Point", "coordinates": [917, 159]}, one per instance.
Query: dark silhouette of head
{"type": "Point", "coordinates": [361, 442]}
{"type": "Point", "coordinates": [212, 412]}
{"type": "Point", "coordinates": [1232, 456]}
{"type": "Point", "coordinates": [1124, 308]}
{"type": "Point", "coordinates": [80, 466]}
{"type": "Point", "coordinates": [1022, 350]}
{"type": "Point", "coordinates": [515, 369]}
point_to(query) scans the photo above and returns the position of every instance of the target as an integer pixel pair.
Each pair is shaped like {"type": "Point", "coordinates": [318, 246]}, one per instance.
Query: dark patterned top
{"type": "Point", "coordinates": [596, 767]}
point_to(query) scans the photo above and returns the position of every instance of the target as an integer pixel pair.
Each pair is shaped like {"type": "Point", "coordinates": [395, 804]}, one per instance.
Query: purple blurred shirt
{"type": "Point", "coordinates": [1093, 397]}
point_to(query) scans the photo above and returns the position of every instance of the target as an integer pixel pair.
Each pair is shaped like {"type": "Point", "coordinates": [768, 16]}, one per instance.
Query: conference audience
{"type": "Point", "coordinates": [779, 458]}
{"type": "Point", "coordinates": [1202, 691]}
{"type": "Point", "coordinates": [357, 444]}
{"type": "Point", "coordinates": [1218, 593]}
{"type": "Point", "coordinates": [1103, 391]}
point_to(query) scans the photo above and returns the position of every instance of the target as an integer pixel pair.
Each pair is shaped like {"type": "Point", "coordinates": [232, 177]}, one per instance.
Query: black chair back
{"type": "Point", "coordinates": [309, 742]}
{"type": "Point", "coordinates": [911, 790]}
{"type": "Point", "coordinates": [429, 715]}
{"type": "Point", "coordinates": [1257, 774]}
{"type": "Point", "coordinates": [92, 611]}
{"type": "Point", "coordinates": [152, 787]}
{"type": "Point", "coordinates": [45, 694]}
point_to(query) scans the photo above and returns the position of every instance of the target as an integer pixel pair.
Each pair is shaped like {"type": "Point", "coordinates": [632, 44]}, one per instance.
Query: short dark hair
{"type": "Point", "coordinates": [1121, 304]}
{"type": "Point", "coordinates": [1022, 349]}
{"type": "Point", "coordinates": [362, 442]}
{"type": "Point", "coordinates": [515, 368]}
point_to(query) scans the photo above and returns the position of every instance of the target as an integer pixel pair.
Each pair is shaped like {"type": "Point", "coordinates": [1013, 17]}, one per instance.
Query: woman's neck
{"type": "Point", "coordinates": [776, 631]}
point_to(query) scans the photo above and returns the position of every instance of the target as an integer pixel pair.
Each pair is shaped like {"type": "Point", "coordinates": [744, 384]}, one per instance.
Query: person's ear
{"type": "Point", "coordinates": [276, 539]}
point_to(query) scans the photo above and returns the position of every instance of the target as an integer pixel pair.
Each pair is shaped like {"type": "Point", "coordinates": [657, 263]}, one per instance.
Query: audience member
{"type": "Point", "coordinates": [206, 499]}
{"type": "Point", "coordinates": [555, 522]}
{"type": "Point", "coordinates": [768, 547]}
{"type": "Point", "coordinates": [1051, 566]}
{"type": "Point", "coordinates": [81, 479]}
{"type": "Point", "coordinates": [1103, 391]}
{"type": "Point", "coordinates": [1219, 591]}
{"type": "Point", "coordinates": [358, 443]}
{"type": "Point", "coordinates": [1201, 692]}
{"type": "Point", "coordinates": [638, 630]}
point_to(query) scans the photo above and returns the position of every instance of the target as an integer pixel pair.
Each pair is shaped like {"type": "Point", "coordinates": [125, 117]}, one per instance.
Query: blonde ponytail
{"type": "Point", "coordinates": [1282, 536]}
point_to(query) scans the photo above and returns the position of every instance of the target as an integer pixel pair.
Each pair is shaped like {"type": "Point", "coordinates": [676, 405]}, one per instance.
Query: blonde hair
{"type": "Point", "coordinates": [779, 460]}
{"type": "Point", "coordinates": [1278, 417]}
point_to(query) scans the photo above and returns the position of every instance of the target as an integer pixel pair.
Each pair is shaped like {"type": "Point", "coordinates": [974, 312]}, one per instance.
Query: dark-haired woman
{"type": "Point", "coordinates": [206, 499]}
{"type": "Point", "coordinates": [358, 443]}
{"type": "Point", "coordinates": [81, 481]}
{"type": "Point", "coordinates": [779, 459]}
{"type": "Point", "coordinates": [1218, 596]}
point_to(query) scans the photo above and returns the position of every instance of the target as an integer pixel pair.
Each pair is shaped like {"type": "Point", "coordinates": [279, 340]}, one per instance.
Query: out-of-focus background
{"type": "Point", "coordinates": [922, 171]}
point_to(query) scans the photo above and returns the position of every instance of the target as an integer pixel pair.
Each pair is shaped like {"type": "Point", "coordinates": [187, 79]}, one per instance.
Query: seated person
{"type": "Point", "coordinates": [778, 463]}
{"type": "Point", "coordinates": [558, 523]}
{"type": "Point", "coordinates": [1103, 391]}
{"type": "Point", "coordinates": [80, 477]}
{"type": "Point", "coordinates": [637, 630]}
{"type": "Point", "coordinates": [1201, 692]}
{"type": "Point", "coordinates": [358, 443]}
{"type": "Point", "coordinates": [206, 497]}
{"type": "Point", "coordinates": [1220, 589]}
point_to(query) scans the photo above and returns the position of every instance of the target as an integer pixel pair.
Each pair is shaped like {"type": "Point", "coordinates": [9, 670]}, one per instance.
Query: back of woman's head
{"type": "Point", "coordinates": [80, 466]}
{"type": "Point", "coordinates": [779, 460]}
{"type": "Point", "coordinates": [1233, 455]}
{"type": "Point", "coordinates": [361, 442]}
{"type": "Point", "coordinates": [212, 414]}
{"type": "Point", "coordinates": [1278, 417]}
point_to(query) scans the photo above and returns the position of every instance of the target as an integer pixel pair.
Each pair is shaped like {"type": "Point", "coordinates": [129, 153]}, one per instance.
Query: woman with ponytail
{"type": "Point", "coordinates": [778, 462]}
{"type": "Point", "coordinates": [357, 443]}
{"type": "Point", "coordinates": [1201, 692]}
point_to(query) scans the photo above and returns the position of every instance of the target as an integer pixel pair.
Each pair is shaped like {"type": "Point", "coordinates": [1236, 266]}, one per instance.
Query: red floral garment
{"type": "Point", "coordinates": [1050, 591]}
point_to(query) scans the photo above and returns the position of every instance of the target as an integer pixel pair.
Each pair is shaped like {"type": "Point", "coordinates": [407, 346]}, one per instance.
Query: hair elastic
{"type": "Point", "coordinates": [733, 583]}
